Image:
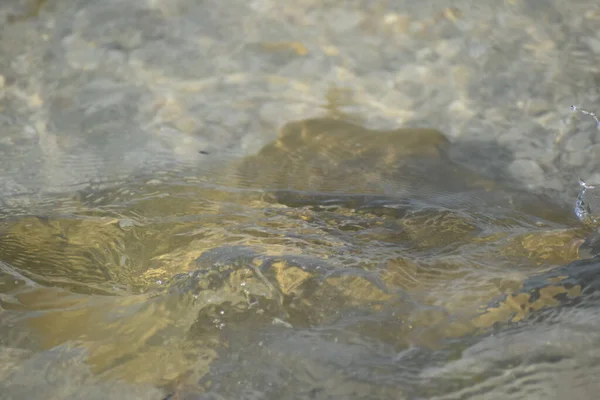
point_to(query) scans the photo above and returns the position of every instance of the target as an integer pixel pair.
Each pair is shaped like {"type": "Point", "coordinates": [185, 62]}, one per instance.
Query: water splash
{"type": "Point", "coordinates": [582, 209]}
{"type": "Point", "coordinates": [591, 114]}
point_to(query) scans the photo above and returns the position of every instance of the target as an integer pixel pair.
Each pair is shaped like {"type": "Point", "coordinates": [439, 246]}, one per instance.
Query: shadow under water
{"type": "Point", "coordinates": [338, 262]}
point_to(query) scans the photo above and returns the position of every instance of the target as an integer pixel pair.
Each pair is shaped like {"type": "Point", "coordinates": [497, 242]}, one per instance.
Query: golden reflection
{"type": "Point", "coordinates": [516, 306]}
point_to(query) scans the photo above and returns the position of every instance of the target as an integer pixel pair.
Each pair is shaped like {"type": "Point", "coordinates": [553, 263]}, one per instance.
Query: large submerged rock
{"type": "Point", "coordinates": [330, 221]}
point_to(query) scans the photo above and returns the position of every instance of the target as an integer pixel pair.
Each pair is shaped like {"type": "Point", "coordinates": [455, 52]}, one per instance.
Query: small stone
{"type": "Point", "coordinates": [593, 180]}
{"type": "Point", "coordinates": [527, 171]}
{"type": "Point", "coordinates": [578, 142]}
{"type": "Point", "coordinates": [126, 223]}
{"type": "Point", "coordinates": [594, 44]}
{"type": "Point", "coordinates": [460, 109]}
{"type": "Point", "coordinates": [575, 159]}
{"type": "Point", "coordinates": [390, 18]}
{"type": "Point", "coordinates": [344, 20]}
{"type": "Point", "coordinates": [538, 106]}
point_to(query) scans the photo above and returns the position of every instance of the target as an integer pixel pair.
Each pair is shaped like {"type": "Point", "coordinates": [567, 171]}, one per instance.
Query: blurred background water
{"type": "Point", "coordinates": [297, 199]}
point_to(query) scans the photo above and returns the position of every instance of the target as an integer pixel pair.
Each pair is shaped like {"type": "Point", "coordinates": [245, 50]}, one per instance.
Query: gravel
{"type": "Point", "coordinates": [94, 89]}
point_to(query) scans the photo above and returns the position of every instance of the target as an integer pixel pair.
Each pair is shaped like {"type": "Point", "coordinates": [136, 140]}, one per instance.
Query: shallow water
{"type": "Point", "coordinates": [337, 262]}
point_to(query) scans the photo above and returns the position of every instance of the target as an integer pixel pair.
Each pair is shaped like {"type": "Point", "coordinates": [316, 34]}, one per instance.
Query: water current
{"type": "Point", "coordinates": [336, 263]}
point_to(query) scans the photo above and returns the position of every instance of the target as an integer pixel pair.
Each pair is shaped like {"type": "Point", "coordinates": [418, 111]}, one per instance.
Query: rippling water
{"type": "Point", "coordinates": [338, 262]}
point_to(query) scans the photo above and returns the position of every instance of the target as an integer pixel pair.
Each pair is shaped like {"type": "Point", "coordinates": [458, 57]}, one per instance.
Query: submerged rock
{"type": "Point", "coordinates": [330, 222]}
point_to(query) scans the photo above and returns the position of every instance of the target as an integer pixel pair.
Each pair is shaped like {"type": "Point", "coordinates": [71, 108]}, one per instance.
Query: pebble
{"type": "Point", "coordinates": [578, 142]}
{"type": "Point", "coordinates": [527, 172]}
{"type": "Point", "coordinates": [126, 223]}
